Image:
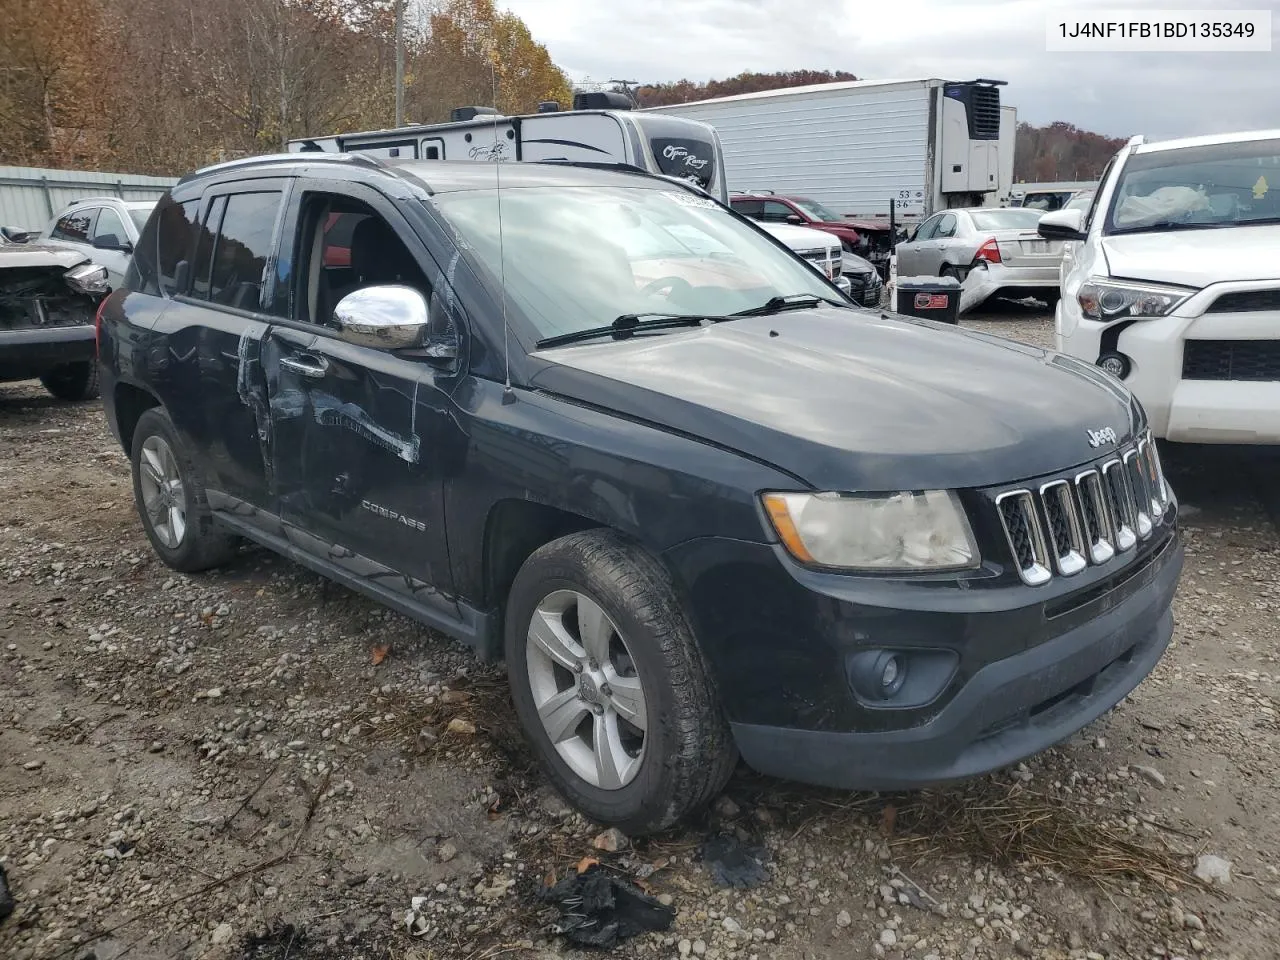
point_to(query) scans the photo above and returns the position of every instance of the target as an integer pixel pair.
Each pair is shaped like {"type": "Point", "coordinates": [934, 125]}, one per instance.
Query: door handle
{"type": "Point", "coordinates": [306, 365]}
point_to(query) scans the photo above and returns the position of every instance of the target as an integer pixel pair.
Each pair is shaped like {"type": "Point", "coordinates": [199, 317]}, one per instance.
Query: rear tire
{"type": "Point", "coordinates": [75, 382]}
{"type": "Point", "coordinates": [169, 493]}
{"type": "Point", "coordinates": [959, 273]}
{"type": "Point", "coordinates": [594, 627]}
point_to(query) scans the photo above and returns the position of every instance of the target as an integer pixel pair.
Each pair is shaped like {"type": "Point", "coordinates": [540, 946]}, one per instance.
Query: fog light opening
{"type": "Point", "coordinates": [1116, 364]}
{"type": "Point", "coordinates": [879, 674]}
{"type": "Point", "coordinates": [889, 677]}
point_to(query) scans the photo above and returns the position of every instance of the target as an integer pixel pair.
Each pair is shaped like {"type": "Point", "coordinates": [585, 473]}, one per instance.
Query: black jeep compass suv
{"type": "Point", "coordinates": [597, 423]}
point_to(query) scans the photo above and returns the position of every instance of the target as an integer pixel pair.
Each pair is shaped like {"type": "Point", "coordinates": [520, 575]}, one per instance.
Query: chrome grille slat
{"type": "Point", "coordinates": [1120, 502]}
{"type": "Point", "coordinates": [1141, 495]}
{"type": "Point", "coordinates": [1065, 535]}
{"type": "Point", "coordinates": [1069, 524]}
{"type": "Point", "coordinates": [1095, 517]}
{"type": "Point", "coordinates": [1026, 540]}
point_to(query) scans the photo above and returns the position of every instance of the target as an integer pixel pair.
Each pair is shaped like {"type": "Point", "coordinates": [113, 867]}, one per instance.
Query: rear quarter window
{"type": "Point", "coordinates": [165, 242]}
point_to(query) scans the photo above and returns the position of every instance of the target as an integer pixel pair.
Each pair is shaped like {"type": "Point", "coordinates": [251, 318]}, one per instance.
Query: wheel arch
{"type": "Point", "coordinates": [130, 402]}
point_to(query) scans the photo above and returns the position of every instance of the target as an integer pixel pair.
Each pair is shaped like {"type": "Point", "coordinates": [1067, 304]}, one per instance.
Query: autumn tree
{"type": "Point", "coordinates": [472, 55]}
{"type": "Point", "coordinates": [1061, 151]}
{"type": "Point", "coordinates": [50, 101]}
{"type": "Point", "coordinates": [687, 91]}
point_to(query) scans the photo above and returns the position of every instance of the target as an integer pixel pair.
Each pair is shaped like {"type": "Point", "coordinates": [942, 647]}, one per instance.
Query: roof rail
{"type": "Point", "coordinates": [620, 167]}
{"type": "Point", "coordinates": [279, 159]}
{"type": "Point", "coordinates": [1137, 140]}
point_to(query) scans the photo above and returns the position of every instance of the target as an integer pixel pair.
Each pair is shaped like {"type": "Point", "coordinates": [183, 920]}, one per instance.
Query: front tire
{"type": "Point", "coordinates": [610, 685]}
{"type": "Point", "coordinates": [169, 493]}
{"type": "Point", "coordinates": [75, 382]}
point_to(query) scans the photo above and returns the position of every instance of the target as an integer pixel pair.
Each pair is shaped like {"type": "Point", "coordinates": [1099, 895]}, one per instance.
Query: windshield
{"type": "Point", "coordinates": [816, 211]}
{"type": "Point", "coordinates": [1047, 202]}
{"type": "Point", "coordinates": [579, 257]}
{"type": "Point", "coordinates": [1223, 184]}
{"type": "Point", "coordinates": [1008, 219]}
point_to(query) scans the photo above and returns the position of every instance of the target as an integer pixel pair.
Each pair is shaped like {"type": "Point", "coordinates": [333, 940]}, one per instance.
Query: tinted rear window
{"type": "Point", "coordinates": [76, 225]}
{"type": "Point", "coordinates": [243, 247]}
{"type": "Point", "coordinates": [687, 159]}
{"type": "Point", "coordinates": [165, 242]}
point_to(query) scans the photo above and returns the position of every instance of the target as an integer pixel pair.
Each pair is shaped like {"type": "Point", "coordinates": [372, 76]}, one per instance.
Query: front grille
{"type": "Point", "coordinates": [825, 262]}
{"type": "Point", "coordinates": [1246, 301]}
{"type": "Point", "coordinates": [865, 288]}
{"type": "Point", "coordinates": [1257, 360]}
{"type": "Point", "coordinates": [1068, 524]}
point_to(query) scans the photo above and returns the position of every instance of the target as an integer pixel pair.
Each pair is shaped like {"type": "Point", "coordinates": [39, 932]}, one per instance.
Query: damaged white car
{"type": "Point", "coordinates": [992, 252]}
{"type": "Point", "coordinates": [48, 303]}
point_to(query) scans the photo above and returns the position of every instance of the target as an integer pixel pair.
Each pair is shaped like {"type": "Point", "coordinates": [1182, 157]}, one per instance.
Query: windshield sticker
{"type": "Point", "coordinates": [690, 200]}
{"type": "Point", "coordinates": [1260, 188]}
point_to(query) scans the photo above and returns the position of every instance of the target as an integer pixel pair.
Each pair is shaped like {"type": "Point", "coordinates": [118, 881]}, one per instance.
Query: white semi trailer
{"type": "Point", "coordinates": [868, 149]}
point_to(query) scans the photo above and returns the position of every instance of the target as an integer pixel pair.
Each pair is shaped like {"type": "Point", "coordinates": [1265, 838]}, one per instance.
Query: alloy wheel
{"type": "Point", "coordinates": [163, 498]}
{"type": "Point", "coordinates": [586, 689]}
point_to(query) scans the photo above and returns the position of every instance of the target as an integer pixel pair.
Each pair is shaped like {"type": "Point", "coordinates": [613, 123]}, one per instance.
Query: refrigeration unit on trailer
{"type": "Point", "coordinates": [1003, 195]}
{"type": "Point", "coordinates": [601, 128]}
{"type": "Point", "coordinates": [857, 146]}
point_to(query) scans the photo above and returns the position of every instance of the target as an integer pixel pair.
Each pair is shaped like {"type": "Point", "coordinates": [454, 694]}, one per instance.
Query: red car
{"type": "Point", "coordinates": [801, 211]}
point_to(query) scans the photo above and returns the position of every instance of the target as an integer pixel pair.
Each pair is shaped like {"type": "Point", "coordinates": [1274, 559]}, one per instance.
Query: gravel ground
{"type": "Point", "coordinates": [250, 763]}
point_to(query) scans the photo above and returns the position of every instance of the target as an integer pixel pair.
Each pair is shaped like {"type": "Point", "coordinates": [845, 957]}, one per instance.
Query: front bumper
{"type": "Point", "coordinates": [1008, 711]}
{"type": "Point", "coordinates": [865, 288]}
{"type": "Point", "coordinates": [1226, 411]}
{"type": "Point", "coordinates": [32, 351]}
{"type": "Point", "coordinates": [1023, 667]}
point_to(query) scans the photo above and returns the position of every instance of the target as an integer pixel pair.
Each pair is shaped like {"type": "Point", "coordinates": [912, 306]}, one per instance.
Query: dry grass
{"type": "Point", "coordinates": [1014, 825]}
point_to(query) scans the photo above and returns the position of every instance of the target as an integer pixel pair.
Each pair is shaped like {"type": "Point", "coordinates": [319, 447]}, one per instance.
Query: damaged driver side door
{"type": "Point", "coordinates": [355, 428]}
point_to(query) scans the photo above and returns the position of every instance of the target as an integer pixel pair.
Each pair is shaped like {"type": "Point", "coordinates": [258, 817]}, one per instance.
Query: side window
{"type": "Point", "coordinates": [946, 226]}
{"type": "Point", "coordinates": [242, 249]}
{"type": "Point", "coordinates": [165, 241]}
{"type": "Point", "coordinates": [76, 225]}
{"type": "Point", "coordinates": [347, 246]}
{"type": "Point", "coordinates": [775, 212]}
{"type": "Point", "coordinates": [110, 225]}
{"type": "Point", "coordinates": [926, 229]}
{"type": "Point", "coordinates": [205, 242]}
{"type": "Point", "coordinates": [749, 208]}
{"type": "Point", "coordinates": [176, 225]}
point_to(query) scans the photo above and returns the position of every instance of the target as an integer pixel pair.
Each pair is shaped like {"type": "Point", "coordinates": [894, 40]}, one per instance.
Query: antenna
{"type": "Point", "coordinates": [508, 395]}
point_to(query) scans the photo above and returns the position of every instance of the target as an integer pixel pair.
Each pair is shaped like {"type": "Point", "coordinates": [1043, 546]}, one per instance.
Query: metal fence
{"type": "Point", "coordinates": [30, 196]}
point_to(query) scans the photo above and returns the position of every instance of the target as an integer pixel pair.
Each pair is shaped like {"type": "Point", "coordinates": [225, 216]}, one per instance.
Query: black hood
{"type": "Point", "coordinates": [855, 400]}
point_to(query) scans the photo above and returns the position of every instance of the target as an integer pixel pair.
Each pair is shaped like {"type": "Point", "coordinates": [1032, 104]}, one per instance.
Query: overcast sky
{"type": "Point", "coordinates": [1157, 94]}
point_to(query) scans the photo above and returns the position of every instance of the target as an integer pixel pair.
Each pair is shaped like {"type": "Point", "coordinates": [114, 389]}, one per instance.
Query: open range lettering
{"type": "Point", "coordinates": [673, 152]}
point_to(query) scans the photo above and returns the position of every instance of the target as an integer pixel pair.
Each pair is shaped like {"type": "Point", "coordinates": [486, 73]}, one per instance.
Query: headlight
{"type": "Point", "coordinates": [908, 531]}
{"type": "Point", "coordinates": [87, 278]}
{"type": "Point", "coordinates": [1110, 300]}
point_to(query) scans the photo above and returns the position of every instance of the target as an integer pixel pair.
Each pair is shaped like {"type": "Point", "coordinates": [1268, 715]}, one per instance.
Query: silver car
{"type": "Point", "coordinates": [105, 229]}
{"type": "Point", "coordinates": [1015, 261]}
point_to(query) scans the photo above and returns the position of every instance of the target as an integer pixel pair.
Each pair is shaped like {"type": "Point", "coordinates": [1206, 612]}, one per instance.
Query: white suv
{"type": "Point", "coordinates": [1173, 283]}
{"type": "Point", "coordinates": [104, 229]}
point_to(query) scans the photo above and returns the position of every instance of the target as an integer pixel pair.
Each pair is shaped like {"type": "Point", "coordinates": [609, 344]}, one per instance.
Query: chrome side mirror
{"type": "Point", "coordinates": [390, 317]}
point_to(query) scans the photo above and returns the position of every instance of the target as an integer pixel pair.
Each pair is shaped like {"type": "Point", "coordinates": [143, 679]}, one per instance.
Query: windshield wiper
{"type": "Point", "coordinates": [792, 301]}
{"type": "Point", "coordinates": [623, 326]}
{"type": "Point", "coordinates": [1166, 226]}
